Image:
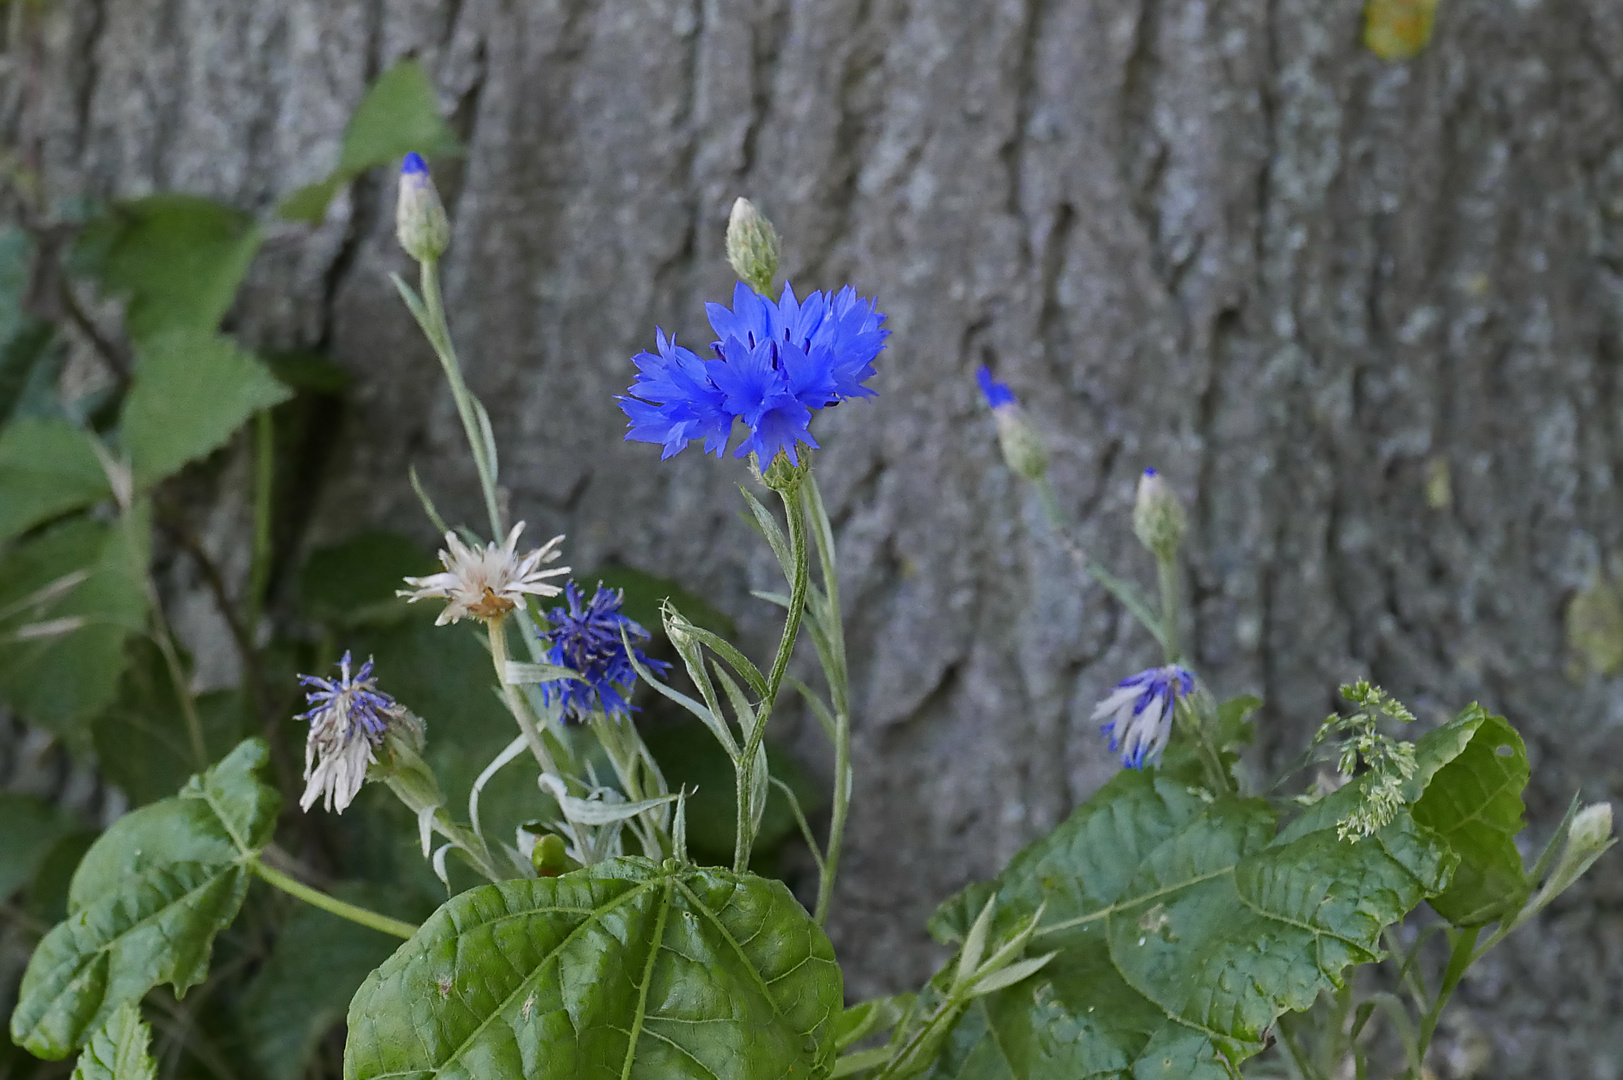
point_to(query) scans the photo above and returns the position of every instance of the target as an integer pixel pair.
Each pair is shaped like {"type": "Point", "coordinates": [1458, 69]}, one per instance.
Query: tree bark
{"type": "Point", "coordinates": [1214, 236]}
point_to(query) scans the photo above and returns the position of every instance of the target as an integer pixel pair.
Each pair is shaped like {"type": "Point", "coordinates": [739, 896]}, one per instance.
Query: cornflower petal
{"type": "Point", "coordinates": [585, 638]}
{"type": "Point", "coordinates": [1137, 716]}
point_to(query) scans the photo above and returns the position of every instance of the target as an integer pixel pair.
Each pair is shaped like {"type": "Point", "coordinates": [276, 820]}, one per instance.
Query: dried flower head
{"type": "Point", "coordinates": [487, 580]}
{"type": "Point", "coordinates": [1137, 716]}
{"type": "Point", "coordinates": [349, 718]}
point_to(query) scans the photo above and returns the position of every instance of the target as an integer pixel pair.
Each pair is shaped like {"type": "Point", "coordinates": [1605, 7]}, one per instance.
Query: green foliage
{"type": "Point", "coordinates": [178, 258]}
{"type": "Point", "coordinates": [303, 989]}
{"type": "Point", "coordinates": [627, 969]}
{"type": "Point", "coordinates": [118, 1051]}
{"type": "Point", "coordinates": [47, 468]}
{"type": "Point", "coordinates": [69, 598]}
{"type": "Point", "coordinates": [1186, 925]}
{"type": "Point", "coordinates": [354, 583]}
{"type": "Point", "coordinates": [1474, 802]}
{"type": "Point", "coordinates": [398, 115]}
{"type": "Point", "coordinates": [192, 389]}
{"type": "Point", "coordinates": [23, 339]}
{"type": "Point", "coordinates": [29, 828]}
{"type": "Point", "coordinates": [145, 904]}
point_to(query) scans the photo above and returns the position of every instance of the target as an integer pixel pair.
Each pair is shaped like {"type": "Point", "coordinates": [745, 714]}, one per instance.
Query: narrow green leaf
{"type": "Point", "coordinates": [769, 528]}
{"type": "Point", "coordinates": [626, 969]}
{"type": "Point", "coordinates": [192, 389]}
{"type": "Point", "coordinates": [119, 1050]}
{"type": "Point", "coordinates": [145, 904]}
{"type": "Point", "coordinates": [29, 828]}
{"type": "Point", "coordinates": [68, 600]}
{"type": "Point", "coordinates": [520, 673]}
{"type": "Point", "coordinates": [1475, 803]}
{"type": "Point", "coordinates": [398, 115]}
{"type": "Point", "coordinates": [179, 258]}
{"type": "Point", "coordinates": [47, 467]}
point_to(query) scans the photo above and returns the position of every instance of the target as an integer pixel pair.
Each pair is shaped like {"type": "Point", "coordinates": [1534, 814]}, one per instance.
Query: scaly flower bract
{"type": "Point", "coordinates": [774, 365]}
{"type": "Point", "coordinates": [348, 719]}
{"type": "Point", "coordinates": [585, 637]}
{"type": "Point", "coordinates": [1138, 714]}
{"type": "Point", "coordinates": [487, 580]}
{"type": "Point", "coordinates": [998, 395]}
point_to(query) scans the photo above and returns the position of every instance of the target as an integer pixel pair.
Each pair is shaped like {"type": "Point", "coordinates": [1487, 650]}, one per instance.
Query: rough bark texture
{"type": "Point", "coordinates": [1217, 236]}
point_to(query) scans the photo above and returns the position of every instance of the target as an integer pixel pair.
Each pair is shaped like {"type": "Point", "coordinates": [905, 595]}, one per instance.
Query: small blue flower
{"type": "Point", "coordinates": [998, 395]}
{"type": "Point", "coordinates": [349, 717]}
{"type": "Point", "coordinates": [586, 639]}
{"type": "Point", "coordinates": [413, 164]}
{"type": "Point", "coordinates": [774, 365]}
{"type": "Point", "coordinates": [1138, 714]}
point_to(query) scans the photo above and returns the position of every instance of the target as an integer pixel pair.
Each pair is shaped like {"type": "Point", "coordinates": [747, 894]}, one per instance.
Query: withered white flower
{"type": "Point", "coordinates": [348, 718]}
{"type": "Point", "coordinates": [489, 580]}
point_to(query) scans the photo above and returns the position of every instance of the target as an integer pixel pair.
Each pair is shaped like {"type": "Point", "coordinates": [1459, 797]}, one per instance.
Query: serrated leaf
{"type": "Point", "coordinates": [179, 258]}
{"type": "Point", "coordinates": [145, 904]}
{"type": "Point", "coordinates": [624, 969]}
{"type": "Point", "coordinates": [47, 468]}
{"type": "Point", "coordinates": [69, 598]}
{"type": "Point", "coordinates": [398, 115]}
{"type": "Point", "coordinates": [29, 828]}
{"type": "Point", "coordinates": [1474, 802]}
{"type": "Point", "coordinates": [302, 990]}
{"type": "Point", "coordinates": [191, 390]}
{"type": "Point", "coordinates": [1184, 928]}
{"type": "Point", "coordinates": [119, 1049]}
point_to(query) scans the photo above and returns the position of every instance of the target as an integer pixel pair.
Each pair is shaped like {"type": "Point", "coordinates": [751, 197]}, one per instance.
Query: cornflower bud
{"type": "Point", "coordinates": [1023, 448]}
{"type": "Point", "coordinates": [1158, 517]}
{"type": "Point", "coordinates": [420, 223]}
{"type": "Point", "coordinates": [752, 246]}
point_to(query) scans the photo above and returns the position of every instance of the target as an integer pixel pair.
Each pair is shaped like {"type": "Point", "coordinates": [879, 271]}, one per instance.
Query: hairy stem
{"type": "Point", "coordinates": [317, 898]}
{"type": "Point", "coordinates": [744, 837]}
{"type": "Point", "coordinates": [1166, 577]}
{"type": "Point", "coordinates": [839, 694]}
{"type": "Point", "coordinates": [439, 335]}
{"type": "Point", "coordinates": [520, 708]}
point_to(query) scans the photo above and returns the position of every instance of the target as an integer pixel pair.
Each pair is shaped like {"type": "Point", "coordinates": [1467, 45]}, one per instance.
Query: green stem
{"type": "Point", "coordinates": [1298, 1056]}
{"type": "Point", "coordinates": [1459, 961]}
{"type": "Point", "coordinates": [332, 904]}
{"type": "Point", "coordinates": [264, 481]}
{"type": "Point", "coordinates": [439, 335]}
{"type": "Point", "coordinates": [839, 695]}
{"type": "Point", "coordinates": [1166, 576]}
{"type": "Point", "coordinates": [516, 704]}
{"type": "Point", "coordinates": [165, 640]}
{"type": "Point", "coordinates": [744, 837]}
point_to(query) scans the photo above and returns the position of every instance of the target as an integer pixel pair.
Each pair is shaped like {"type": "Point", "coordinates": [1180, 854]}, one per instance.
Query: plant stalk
{"type": "Point", "coordinates": [439, 335]}
{"type": "Point", "coordinates": [331, 904]}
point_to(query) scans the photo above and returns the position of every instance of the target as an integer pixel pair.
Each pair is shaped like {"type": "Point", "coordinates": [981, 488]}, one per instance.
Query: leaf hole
{"type": "Point", "coordinates": [1506, 751]}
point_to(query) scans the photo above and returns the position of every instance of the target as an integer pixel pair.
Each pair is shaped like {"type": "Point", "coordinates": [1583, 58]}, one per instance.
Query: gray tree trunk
{"type": "Point", "coordinates": [1215, 236]}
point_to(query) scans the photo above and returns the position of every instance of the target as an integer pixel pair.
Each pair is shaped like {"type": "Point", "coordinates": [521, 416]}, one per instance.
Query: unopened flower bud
{"type": "Point", "coordinates": [1023, 448]}
{"type": "Point", "coordinates": [420, 222]}
{"type": "Point", "coordinates": [752, 246]}
{"type": "Point", "coordinates": [549, 856]}
{"type": "Point", "coordinates": [1591, 829]}
{"type": "Point", "coordinates": [1158, 517]}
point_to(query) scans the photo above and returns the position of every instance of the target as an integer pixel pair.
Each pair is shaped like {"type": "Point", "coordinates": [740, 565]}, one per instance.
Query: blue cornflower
{"type": "Point", "coordinates": [1138, 714]}
{"type": "Point", "coordinates": [349, 717]}
{"type": "Point", "coordinates": [774, 365]}
{"type": "Point", "coordinates": [998, 395]}
{"type": "Point", "coordinates": [586, 639]}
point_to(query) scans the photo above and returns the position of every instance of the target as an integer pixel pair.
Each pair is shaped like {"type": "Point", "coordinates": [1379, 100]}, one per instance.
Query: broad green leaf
{"type": "Point", "coordinates": [301, 992]}
{"type": "Point", "coordinates": [143, 741]}
{"type": "Point", "coordinates": [119, 1050]}
{"type": "Point", "coordinates": [627, 969]}
{"type": "Point", "coordinates": [27, 375]}
{"type": "Point", "coordinates": [145, 904]}
{"type": "Point", "coordinates": [179, 258]}
{"type": "Point", "coordinates": [1474, 802]}
{"type": "Point", "coordinates": [69, 598]}
{"type": "Point", "coordinates": [1185, 927]}
{"type": "Point", "coordinates": [192, 389]}
{"type": "Point", "coordinates": [355, 582]}
{"type": "Point", "coordinates": [47, 467]}
{"type": "Point", "coordinates": [29, 828]}
{"type": "Point", "coordinates": [398, 115]}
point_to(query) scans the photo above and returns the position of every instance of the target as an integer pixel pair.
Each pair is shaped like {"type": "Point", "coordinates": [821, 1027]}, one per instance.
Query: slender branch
{"type": "Point", "coordinates": [1124, 592]}
{"type": "Point", "coordinates": [744, 838]}
{"type": "Point", "coordinates": [515, 701]}
{"type": "Point", "coordinates": [439, 335]}
{"type": "Point", "coordinates": [839, 692]}
{"type": "Point", "coordinates": [331, 904]}
{"type": "Point", "coordinates": [1166, 576]}
{"type": "Point", "coordinates": [165, 640]}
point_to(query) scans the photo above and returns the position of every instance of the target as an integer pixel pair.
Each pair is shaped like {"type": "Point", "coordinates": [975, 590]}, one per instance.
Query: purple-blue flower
{"type": "Point", "coordinates": [585, 638]}
{"type": "Point", "coordinates": [998, 395]}
{"type": "Point", "coordinates": [348, 716]}
{"type": "Point", "coordinates": [774, 364]}
{"type": "Point", "coordinates": [1137, 716]}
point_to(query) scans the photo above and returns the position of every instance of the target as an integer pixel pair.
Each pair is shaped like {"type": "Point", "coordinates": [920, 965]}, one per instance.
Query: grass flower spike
{"type": "Point", "coordinates": [349, 718]}
{"type": "Point", "coordinates": [585, 637]}
{"type": "Point", "coordinates": [487, 581]}
{"type": "Point", "coordinates": [1138, 715]}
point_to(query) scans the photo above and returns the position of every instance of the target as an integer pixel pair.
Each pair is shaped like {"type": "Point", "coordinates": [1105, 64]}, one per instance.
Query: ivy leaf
{"type": "Point", "coordinates": [47, 467]}
{"type": "Point", "coordinates": [68, 600]}
{"type": "Point", "coordinates": [192, 389]}
{"type": "Point", "coordinates": [1185, 927]}
{"type": "Point", "coordinates": [399, 115]}
{"type": "Point", "coordinates": [179, 259]}
{"type": "Point", "coordinates": [119, 1050]}
{"type": "Point", "coordinates": [145, 904]}
{"type": "Point", "coordinates": [29, 828]}
{"type": "Point", "coordinates": [1474, 802]}
{"type": "Point", "coordinates": [625, 969]}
